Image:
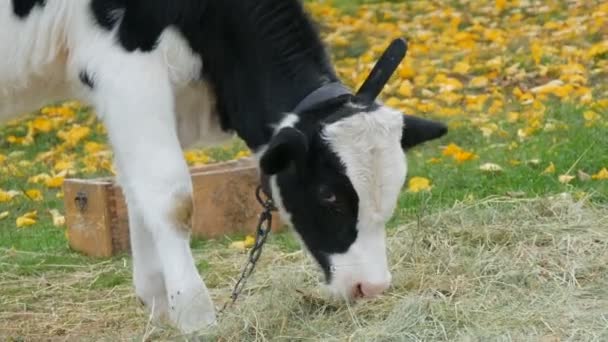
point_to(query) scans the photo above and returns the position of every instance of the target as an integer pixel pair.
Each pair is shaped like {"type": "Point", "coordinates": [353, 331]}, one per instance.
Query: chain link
{"type": "Point", "coordinates": [263, 230]}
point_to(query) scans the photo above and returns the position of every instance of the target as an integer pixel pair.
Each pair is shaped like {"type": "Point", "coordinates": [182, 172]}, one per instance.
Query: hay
{"type": "Point", "coordinates": [499, 269]}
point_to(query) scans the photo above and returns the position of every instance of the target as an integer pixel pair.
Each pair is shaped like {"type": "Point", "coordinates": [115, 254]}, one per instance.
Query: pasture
{"type": "Point", "coordinates": [501, 232]}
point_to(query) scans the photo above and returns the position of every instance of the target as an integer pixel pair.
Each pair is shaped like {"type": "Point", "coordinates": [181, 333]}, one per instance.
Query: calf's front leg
{"type": "Point", "coordinates": [133, 94]}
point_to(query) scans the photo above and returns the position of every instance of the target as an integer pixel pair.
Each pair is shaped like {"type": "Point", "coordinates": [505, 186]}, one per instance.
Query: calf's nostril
{"type": "Point", "coordinates": [358, 291]}
{"type": "Point", "coordinates": [369, 290]}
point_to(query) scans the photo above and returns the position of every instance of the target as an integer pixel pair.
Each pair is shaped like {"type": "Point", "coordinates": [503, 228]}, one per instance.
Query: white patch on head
{"type": "Point", "coordinates": [289, 120]}
{"type": "Point", "coordinates": [278, 201]}
{"type": "Point", "coordinates": [369, 146]}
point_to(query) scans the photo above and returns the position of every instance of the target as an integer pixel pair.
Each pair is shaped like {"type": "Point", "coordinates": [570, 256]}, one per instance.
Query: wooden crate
{"type": "Point", "coordinates": [224, 203]}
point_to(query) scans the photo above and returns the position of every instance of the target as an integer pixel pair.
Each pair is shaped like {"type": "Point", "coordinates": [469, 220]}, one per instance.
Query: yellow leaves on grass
{"type": "Point", "coordinates": [92, 147]}
{"type": "Point", "coordinates": [406, 89]}
{"type": "Point", "coordinates": [565, 179]}
{"type": "Point", "coordinates": [7, 196]}
{"type": "Point", "coordinates": [64, 111]}
{"type": "Point", "coordinates": [243, 154]}
{"type": "Point", "coordinates": [554, 87]}
{"type": "Point", "coordinates": [248, 242]}
{"type": "Point", "coordinates": [34, 195]}
{"type": "Point", "coordinates": [4, 215]}
{"type": "Point", "coordinates": [582, 176]}
{"type": "Point", "coordinates": [451, 149]}
{"type": "Point", "coordinates": [601, 175]}
{"type": "Point", "coordinates": [461, 67]}
{"type": "Point", "coordinates": [457, 153]}
{"type": "Point", "coordinates": [447, 84]}
{"type": "Point", "coordinates": [196, 158]}
{"type": "Point", "coordinates": [63, 165]}
{"type": "Point", "coordinates": [42, 124]}
{"type": "Point", "coordinates": [479, 82]}
{"type": "Point", "coordinates": [598, 49]}
{"type": "Point", "coordinates": [537, 52]}
{"type": "Point", "coordinates": [550, 169]}
{"type": "Point", "coordinates": [74, 135]}
{"type": "Point", "coordinates": [418, 184]}
{"type": "Point", "coordinates": [54, 182]}
{"type": "Point", "coordinates": [57, 218]}
{"type": "Point", "coordinates": [591, 118]}
{"type": "Point", "coordinates": [51, 181]}
{"type": "Point", "coordinates": [27, 219]}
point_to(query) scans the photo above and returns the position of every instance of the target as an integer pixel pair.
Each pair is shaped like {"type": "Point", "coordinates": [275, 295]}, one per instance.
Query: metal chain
{"type": "Point", "coordinates": [263, 230]}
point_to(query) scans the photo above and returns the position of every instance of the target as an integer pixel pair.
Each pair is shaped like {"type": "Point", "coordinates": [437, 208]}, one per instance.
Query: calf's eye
{"type": "Point", "coordinates": [327, 196]}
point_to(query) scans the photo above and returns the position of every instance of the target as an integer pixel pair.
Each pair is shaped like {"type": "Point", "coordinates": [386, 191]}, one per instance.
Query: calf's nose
{"type": "Point", "coordinates": [370, 290]}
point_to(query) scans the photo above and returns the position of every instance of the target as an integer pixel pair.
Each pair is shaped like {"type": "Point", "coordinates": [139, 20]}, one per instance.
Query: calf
{"type": "Point", "coordinates": [165, 74]}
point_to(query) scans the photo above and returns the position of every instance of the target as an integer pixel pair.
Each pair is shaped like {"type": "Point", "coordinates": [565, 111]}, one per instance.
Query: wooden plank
{"type": "Point", "coordinates": [224, 203]}
{"type": "Point", "coordinates": [119, 217]}
{"type": "Point", "coordinates": [89, 228]}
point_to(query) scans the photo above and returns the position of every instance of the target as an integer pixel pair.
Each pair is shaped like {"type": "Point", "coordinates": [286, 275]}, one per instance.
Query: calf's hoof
{"type": "Point", "coordinates": [192, 310]}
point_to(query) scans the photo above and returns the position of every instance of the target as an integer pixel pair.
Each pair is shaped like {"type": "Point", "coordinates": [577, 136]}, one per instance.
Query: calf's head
{"type": "Point", "coordinates": [337, 180]}
{"type": "Point", "coordinates": [337, 169]}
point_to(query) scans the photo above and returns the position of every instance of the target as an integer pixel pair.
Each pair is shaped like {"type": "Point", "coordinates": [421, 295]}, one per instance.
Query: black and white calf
{"type": "Point", "coordinates": [165, 74]}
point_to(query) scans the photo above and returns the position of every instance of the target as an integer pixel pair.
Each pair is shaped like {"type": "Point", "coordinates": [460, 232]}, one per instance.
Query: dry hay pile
{"type": "Point", "coordinates": [499, 269]}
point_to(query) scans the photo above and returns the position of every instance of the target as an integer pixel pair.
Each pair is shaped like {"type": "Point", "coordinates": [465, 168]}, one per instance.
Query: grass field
{"type": "Point", "coordinates": [501, 233]}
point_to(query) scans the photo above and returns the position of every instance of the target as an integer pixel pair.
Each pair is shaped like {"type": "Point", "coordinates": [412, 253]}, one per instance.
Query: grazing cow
{"type": "Point", "coordinates": [165, 74]}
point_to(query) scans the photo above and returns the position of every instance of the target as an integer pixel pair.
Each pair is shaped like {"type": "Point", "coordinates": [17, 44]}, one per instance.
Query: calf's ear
{"type": "Point", "coordinates": [288, 146]}
{"type": "Point", "coordinates": [418, 130]}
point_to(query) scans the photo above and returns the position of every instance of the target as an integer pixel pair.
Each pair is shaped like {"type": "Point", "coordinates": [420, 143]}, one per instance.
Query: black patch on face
{"type": "Point", "coordinates": [322, 202]}
{"type": "Point", "coordinates": [106, 12]}
{"type": "Point", "coordinates": [22, 8]}
{"type": "Point", "coordinates": [86, 79]}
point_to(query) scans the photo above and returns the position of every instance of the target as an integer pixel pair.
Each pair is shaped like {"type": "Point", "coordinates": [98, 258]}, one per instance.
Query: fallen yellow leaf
{"type": "Point", "coordinates": [43, 125]}
{"type": "Point", "coordinates": [549, 169]}
{"type": "Point", "coordinates": [4, 215]}
{"type": "Point", "coordinates": [54, 182]}
{"type": "Point", "coordinates": [463, 156]}
{"type": "Point", "coordinates": [63, 165]}
{"type": "Point", "coordinates": [601, 175]}
{"type": "Point", "coordinates": [249, 241]}
{"type": "Point", "coordinates": [34, 195]}
{"type": "Point", "coordinates": [478, 82]}
{"type": "Point", "coordinates": [58, 219]}
{"type": "Point", "coordinates": [591, 117]}
{"type": "Point", "coordinates": [451, 150]}
{"type": "Point", "coordinates": [39, 178]}
{"type": "Point", "coordinates": [417, 184]}
{"type": "Point", "coordinates": [406, 89]}
{"type": "Point", "coordinates": [74, 135]}
{"type": "Point", "coordinates": [565, 179]}
{"type": "Point", "coordinates": [27, 219]}
{"type": "Point", "coordinates": [243, 154]}
{"type": "Point", "coordinates": [92, 147]}
{"type": "Point", "coordinates": [461, 68]}
{"type": "Point", "coordinates": [537, 52]}
{"type": "Point", "coordinates": [6, 196]}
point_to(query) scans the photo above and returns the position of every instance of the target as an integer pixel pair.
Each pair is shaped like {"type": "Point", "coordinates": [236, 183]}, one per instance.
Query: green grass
{"type": "Point", "coordinates": [572, 149]}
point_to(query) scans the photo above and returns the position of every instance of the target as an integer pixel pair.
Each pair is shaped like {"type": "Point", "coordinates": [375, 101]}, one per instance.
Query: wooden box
{"type": "Point", "coordinates": [224, 203]}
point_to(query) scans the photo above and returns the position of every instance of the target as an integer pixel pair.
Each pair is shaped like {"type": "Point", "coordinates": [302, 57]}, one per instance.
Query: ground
{"type": "Point", "coordinates": [500, 234]}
